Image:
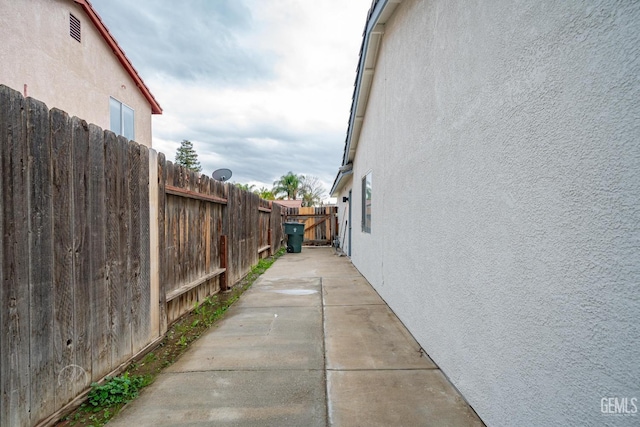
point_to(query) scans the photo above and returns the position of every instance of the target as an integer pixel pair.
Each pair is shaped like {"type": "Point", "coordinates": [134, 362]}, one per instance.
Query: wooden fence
{"type": "Point", "coordinates": [75, 256]}
{"type": "Point", "coordinates": [321, 223]}
{"type": "Point", "coordinates": [104, 244]}
{"type": "Point", "coordinates": [211, 236]}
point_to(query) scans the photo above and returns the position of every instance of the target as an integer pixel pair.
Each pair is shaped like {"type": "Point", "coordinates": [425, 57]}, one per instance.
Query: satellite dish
{"type": "Point", "coordinates": [221, 174]}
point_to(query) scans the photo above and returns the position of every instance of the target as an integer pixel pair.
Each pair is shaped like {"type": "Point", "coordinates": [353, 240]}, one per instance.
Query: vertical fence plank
{"type": "Point", "coordinates": [115, 270]}
{"type": "Point", "coordinates": [154, 242]}
{"type": "Point", "coordinates": [14, 336]}
{"type": "Point", "coordinates": [139, 312]}
{"type": "Point", "coordinates": [171, 229]}
{"type": "Point", "coordinates": [133, 237]}
{"type": "Point", "coordinates": [82, 291]}
{"type": "Point", "coordinates": [40, 261]}
{"type": "Point", "coordinates": [162, 240]}
{"type": "Point", "coordinates": [5, 109]}
{"type": "Point", "coordinates": [122, 289]}
{"type": "Point", "coordinates": [99, 283]}
{"type": "Point", "coordinates": [142, 330]}
{"type": "Point", "coordinates": [64, 362]}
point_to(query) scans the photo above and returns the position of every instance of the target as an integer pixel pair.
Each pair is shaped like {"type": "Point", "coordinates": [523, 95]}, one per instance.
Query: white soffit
{"type": "Point", "coordinates": [373, 38]}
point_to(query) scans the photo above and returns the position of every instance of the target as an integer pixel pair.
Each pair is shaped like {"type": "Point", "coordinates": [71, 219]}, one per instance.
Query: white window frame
{"type": "Point", "coordinates": [119, 128]}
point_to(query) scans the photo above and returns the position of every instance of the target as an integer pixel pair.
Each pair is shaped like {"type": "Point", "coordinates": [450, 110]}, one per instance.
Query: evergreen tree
{"type": "Point", "coordinates": [186, 156]}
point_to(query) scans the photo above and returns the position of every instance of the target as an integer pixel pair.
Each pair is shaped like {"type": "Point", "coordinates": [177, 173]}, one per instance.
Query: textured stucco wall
{"type": "Point", "coordinates": [504, 142]}
{"type": "Point", "coordinates": [343, 216]}
{"type": "Point", "coordinates": [79, 78]}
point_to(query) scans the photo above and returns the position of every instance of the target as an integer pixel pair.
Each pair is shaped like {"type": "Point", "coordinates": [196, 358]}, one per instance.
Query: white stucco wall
{"type": "Point", "coordinates": [343, 215]}
{"type": "Point", "coordinates": [504, 143]}
{"type": "Point", "coordinates": [79, 78]}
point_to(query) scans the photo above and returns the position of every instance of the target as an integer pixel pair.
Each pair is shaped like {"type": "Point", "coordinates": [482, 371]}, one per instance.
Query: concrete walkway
{"type": "Point", "coordinates": [309, 344]}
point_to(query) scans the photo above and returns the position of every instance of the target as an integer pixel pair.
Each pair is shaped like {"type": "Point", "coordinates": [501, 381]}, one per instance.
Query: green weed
{"type": "Point", "coordinates": [116, 390]}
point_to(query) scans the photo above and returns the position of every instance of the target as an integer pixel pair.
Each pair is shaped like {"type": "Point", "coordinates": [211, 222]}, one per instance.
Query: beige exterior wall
{"type": "Point", "coordinates": [78, 78]}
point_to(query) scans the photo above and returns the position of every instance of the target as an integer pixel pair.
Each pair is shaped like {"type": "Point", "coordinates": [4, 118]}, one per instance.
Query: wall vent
{"type": "Point", "coordinates": [74, 27]}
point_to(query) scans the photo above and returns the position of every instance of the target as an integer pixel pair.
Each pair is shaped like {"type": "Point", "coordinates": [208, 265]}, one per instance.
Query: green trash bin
{"type": "Point", "coordinates": [295, 235]}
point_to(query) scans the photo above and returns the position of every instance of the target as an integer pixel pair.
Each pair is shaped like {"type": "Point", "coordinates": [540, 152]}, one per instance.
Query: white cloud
{"type": "Point", "coordinates": [259, 86]}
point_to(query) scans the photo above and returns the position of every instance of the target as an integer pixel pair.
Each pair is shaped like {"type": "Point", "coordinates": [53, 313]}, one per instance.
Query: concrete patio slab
{"type": "Point", "coordinates": [304, 291]}
{"type": "Point", "coordinates": [259, 338]}
{"type": "Point", "coordinates": [277, 398]}
{"type": "Point", "coordinates": [370, 337]}
{"type": "Point", "coordinates": [344, 282]}
{"type": "Point", "coordinates": [313, 262]}
{"type": "Point", "coordinates": [310, 344]}
{"type": "Point", "coordinates": [396, 398]}
{"type": "Point", "coordinates": [349, 291]}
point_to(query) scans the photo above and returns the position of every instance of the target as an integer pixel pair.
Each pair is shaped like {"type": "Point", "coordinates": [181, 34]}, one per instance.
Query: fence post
{"type": "Point", "coordinates": [223, 263]}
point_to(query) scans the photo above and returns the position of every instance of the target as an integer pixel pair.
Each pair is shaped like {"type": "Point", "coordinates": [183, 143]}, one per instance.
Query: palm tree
{"type": "Point", "coordinates": [288, 184]}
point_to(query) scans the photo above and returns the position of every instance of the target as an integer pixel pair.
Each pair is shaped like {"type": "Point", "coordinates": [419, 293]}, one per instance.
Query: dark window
{"type": "Point", "coordinates": [366, 203]}
{"type": "Point", "coordinates": [74, 27]}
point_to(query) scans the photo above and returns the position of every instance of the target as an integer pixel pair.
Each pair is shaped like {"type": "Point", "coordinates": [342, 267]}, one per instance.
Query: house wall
{"type": "Point", "coordinates": [78, 78]}
{"type": "Point", "coordinates": [502, 138]}
{"type": "Point", "coordinates": [343, 215]}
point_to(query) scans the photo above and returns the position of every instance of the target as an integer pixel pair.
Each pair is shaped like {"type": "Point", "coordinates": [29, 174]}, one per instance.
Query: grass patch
{"type": "Point", "coordinates": [107, 398]}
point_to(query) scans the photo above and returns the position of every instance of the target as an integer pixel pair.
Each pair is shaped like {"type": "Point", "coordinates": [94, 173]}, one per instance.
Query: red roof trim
{"type": "Point", "coordinates": [113, 44]}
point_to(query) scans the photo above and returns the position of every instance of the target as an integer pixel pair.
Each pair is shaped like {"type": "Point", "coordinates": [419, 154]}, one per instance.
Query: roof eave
{"type": "Point", "coordinates": [122, 58]}
{"type": "Point", "coordinates": [339, 183]}
{"type": "Point", "coordinates": [381, 11]}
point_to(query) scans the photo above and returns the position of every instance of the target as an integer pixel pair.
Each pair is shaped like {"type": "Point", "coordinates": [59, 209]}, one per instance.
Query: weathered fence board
{"type": "Point", "coordinates": [163, 266]}
{"type": "Point", "coordinates": [80, 225]}
{"type": "Point", "coordinates": [115, 275]}
{"type": "Point", "coordinates": [142, 326]}
{"type": "Point", "coordinates": [133, 267]}
{"type": "Point", "coordinates": [99, 282]}
{"type": "Point", "coordinates": [64, 362]}
{"type": "Point", "coordinates": [14, 336]}
{"type": "Point", "coordinates": [40, 261]}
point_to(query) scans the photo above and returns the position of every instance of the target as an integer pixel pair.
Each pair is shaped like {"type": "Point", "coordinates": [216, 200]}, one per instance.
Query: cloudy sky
{"type": "Point", "coordinates": [260, 87]}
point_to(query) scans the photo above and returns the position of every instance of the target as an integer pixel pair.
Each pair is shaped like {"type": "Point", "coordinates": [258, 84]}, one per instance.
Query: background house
{"type": "Point", "coordinates": [60, 52]}
{"type": "Point", "coordinates": [289, 203]}
{"type": "Point", "coordinates": [492, 174]}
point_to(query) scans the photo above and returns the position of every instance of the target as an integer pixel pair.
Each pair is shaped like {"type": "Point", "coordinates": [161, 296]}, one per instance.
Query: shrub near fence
{"type": "Point", "coordinates": [104, 243]}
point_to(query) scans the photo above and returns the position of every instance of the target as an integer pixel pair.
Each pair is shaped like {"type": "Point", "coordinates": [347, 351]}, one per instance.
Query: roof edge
{"type": "Point", "coordinates": [339, 182]}
{"type": "Point", "coordinates": [122, 58]}
{"type": "Point", "coordinates": [379, 13]}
